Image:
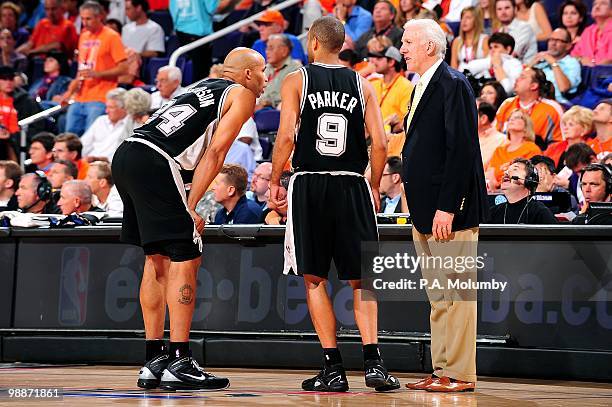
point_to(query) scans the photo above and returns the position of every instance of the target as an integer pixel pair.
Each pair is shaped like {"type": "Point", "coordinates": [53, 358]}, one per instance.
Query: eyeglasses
{"type": "Point", "coordinates": [256, 176]}
{"type": "Point", "coordinates": [263, 23]}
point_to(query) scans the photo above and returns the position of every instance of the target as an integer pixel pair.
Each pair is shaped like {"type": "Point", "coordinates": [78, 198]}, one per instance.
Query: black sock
{"type": "Point", "coordinates": [154, 348]}
{"type": "Point", "coordinates": [178, 350]}
{"type": "Point", "coordinates": [371, 352]}
{"type": "Point", "coordinates": [332, 356]}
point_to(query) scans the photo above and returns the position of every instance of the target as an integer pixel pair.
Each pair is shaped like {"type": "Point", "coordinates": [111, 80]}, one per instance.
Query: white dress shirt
{"type": "Point", "coordinates": [480, 69]}
{"type": "Point", "coordinates": [157, 100]}
{"type": "Point", "coordinates": [113, 204]}
{"type": "Point", "coordinates": [419, 90]}
{"type": "Point", "coordinates": [103, 137]}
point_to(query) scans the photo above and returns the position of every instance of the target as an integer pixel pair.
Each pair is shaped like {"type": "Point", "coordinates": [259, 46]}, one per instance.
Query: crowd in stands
{"type": "Point", "coordinates": [542, 75]}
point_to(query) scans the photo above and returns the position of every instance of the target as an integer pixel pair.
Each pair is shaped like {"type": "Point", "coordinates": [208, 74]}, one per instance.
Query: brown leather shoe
{"type": "Point", "coordinates": [422, 384]}
{"type": "Point", "coordinates": [446, 385]}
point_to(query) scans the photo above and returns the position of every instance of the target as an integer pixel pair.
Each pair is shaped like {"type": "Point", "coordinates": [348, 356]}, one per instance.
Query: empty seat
{"type": "Point", "coordinates": [267, 120]}
{"type": "Point", "coordinates": [163, 18]}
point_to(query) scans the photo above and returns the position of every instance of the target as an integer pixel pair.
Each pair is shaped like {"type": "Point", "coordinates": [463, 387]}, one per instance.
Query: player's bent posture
{"type": "Point", "coordinates": [191, 132]}
{"type": "Point", "coordinates": [331, 207]}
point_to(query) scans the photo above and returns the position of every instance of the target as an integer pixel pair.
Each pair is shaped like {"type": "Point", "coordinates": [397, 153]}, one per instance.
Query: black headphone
{"type": "Point", "coordinates": [44, 188]}
{"type": "Point", "coordinates": [531, 179]}
{"type": "Point", "coordinates": [606, 171]}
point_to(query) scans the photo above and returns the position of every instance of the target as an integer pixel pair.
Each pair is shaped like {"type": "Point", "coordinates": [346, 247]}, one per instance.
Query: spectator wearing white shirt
{"type": "Point", "coordinates": [142, 34]}
{"type": "Point", "coordinates": [105, 134]}
{"type": "Point", "coordinates": [116, 10]}
{"type": "Point", "coordinates": [526, 45]}
{"type": "Point", "coordinates": [168, 83]}
{"type": "Point", "coordinates": [500, 62]}
{"type": "Point", "coordinates": [106, 196]}
{"type": "Point", "coordinates": [240, 152]}
{"type": "Point", "coordinates": [248, 134]}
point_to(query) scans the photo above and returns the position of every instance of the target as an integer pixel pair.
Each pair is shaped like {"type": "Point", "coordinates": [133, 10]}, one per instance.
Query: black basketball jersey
{"type": "Point", "coordinates": [331, 132]}
{"type": "Point", "coordinates": [184, 126]}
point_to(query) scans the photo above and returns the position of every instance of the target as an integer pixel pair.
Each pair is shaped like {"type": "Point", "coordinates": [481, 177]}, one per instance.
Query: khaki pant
{"type": "Point", "coordinates": [453, 317]}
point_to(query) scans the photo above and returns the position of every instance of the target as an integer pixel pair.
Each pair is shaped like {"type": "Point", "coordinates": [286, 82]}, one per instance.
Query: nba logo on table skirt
{"type": "Point", "coordinates": [73, 286]}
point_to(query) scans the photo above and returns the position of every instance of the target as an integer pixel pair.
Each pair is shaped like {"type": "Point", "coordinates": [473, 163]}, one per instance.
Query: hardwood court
{"type": "Point", "coordinates": [116, 385]}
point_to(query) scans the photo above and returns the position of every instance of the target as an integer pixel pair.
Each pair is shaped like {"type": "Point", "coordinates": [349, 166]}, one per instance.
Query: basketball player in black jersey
{"type": "Point", "coordinates": [331, 206]}
{"type": "Point", "coordinates": [193, 131]}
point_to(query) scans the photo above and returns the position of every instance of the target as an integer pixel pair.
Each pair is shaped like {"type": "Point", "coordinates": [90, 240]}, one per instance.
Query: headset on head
{"type": "Point", "coordinates": [44, 188]}
{"type": "Point", "coordinates": [531, 178]}
{"type": "Point", "coordinates": [606, 171]}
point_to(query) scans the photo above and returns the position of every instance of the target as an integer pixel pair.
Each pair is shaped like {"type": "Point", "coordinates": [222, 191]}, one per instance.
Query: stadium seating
{"type": "Point", "coordinates": [164, 19]}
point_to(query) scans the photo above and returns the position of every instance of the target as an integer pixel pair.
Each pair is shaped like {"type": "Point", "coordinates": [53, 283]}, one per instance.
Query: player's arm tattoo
{"type": "Point", "coordinates": [186, 292]}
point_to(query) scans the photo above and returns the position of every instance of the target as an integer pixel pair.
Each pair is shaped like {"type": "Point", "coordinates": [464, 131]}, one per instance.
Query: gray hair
{"type": "Point", "coordinates": [174, 73]}
{"type": "Point", "coordinates": [93, 6]}
{"type": "Point", "coordinates": [80, 189]}
{"type": "Point", "coordinates": [285, 40]}
{"type": "Point", "coordinates": [118, 95]}
{"type": "Point", "coordinates": [137, 102]}
{"type": "Point", "coordinates": [429, 30]}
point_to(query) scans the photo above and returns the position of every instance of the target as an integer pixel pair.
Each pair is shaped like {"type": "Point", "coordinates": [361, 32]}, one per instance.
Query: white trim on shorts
{"type": "Point", "coordinates": [290, 264]}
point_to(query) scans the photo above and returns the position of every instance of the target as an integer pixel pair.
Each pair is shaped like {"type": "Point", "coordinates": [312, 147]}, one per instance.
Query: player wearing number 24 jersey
{"type": "Point", "coordinates": [193, 131]}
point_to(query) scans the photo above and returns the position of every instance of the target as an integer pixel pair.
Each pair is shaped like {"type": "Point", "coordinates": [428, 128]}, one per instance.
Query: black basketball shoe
{"type": "Point", "coordinates": [332, 378]}
{"type": "Point", "coordinates": [376, 376]}
{"type": "Point", "coordinates": [186, 374]}
{"type": "Point", "coordinates": [151, 373]}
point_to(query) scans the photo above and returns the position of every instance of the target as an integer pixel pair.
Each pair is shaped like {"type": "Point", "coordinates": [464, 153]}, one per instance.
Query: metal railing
{"type": "Point", "coordinates": [205, 40]}
{"type": "Point", "coordinates": [25, 123]}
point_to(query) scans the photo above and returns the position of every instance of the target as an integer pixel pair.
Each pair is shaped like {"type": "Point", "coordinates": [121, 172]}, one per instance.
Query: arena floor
{"type": "Point", "coordinates": [116, 385]}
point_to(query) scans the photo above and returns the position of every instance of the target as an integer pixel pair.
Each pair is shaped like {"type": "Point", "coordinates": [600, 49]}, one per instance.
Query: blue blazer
{"type": "Point", "coordinates": [442, 165]}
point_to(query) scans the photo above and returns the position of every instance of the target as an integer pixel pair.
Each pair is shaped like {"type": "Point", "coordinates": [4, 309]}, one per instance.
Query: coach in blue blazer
{"type": "Point", "coordinates": [446, 195]}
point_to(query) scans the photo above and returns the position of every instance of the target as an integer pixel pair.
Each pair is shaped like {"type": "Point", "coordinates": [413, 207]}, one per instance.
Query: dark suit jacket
{"type": "Point", "coordinates": [442, 165]}
{"type": "Point", "coordinates": [383, 205]}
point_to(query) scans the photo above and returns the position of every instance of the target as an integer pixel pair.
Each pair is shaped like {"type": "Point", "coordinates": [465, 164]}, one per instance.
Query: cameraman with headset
{"type": "Point", "coordinates": [34, 194]}
{"type": "Point", "coordinates": [596, 184]}
{"type": "Point", "coordinates": [519, 183]}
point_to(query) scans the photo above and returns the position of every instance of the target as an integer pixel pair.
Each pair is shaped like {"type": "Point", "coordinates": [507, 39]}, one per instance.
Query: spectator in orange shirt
{"type": "Point", "coordinates": [520, 144]}
{"type": "Point", "coordinates": [54, 33]}
{"type": "Point", "coordinates": [576, 124]}
{"type": "Point", "coordinates": [102, 60]}
{"type": "Point", "coordinates": [602, 120]}
{"type": "Point", "coordinates": [8, 115]}
{"type": "Point", "coordinates": [545, 113]}
{"type": "Point", "coordinates": [68, 147]}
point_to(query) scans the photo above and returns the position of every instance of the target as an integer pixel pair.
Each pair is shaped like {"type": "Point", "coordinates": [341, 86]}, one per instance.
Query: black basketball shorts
{"type": "Point", "coordinates": [154, 214]}
{"type": "Point", "coordinates": [330, 216]}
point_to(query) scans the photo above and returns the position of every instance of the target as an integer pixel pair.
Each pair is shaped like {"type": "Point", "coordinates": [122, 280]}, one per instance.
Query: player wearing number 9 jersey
{"type": "Point", "coordinates": [193, 131]}
{"type": "Point", "coordinates": [331, 207]}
